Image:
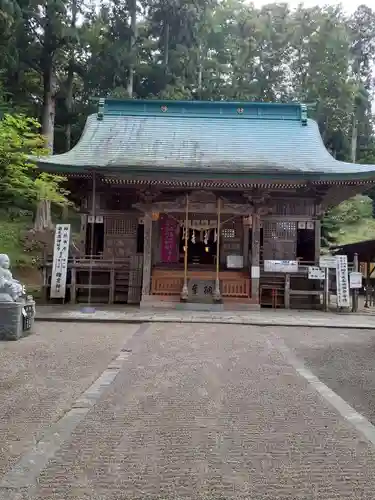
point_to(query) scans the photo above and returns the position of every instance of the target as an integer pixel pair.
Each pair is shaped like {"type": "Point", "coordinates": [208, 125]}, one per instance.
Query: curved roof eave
{"type": "Point", "coordinates": [206, 146]}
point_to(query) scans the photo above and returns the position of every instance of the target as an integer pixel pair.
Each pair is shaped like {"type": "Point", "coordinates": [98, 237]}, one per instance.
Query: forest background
{"type": "Point", "coordinates": [58, 56]}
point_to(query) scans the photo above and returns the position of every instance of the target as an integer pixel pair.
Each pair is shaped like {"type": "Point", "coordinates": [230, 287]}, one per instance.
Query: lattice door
{"type": "Point", "coordinates": [279, 240]}
{"type": "Point", "coordinates": [135, 279]}
{"type": "Point", "coordinates": [231, 238]}
{"type": "Point", "coordinates": [120, 236]}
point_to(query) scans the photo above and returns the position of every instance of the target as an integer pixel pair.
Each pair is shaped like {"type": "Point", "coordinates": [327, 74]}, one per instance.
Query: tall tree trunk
{"type": "Point", "coordinates": [354, 139]}
{"type": "Point", "coordinates": [354, 136]}
{"type": "Point", "coordinates": [43, 217]}
{"type": "Point", "coordinates": [70, 81]}
{"type": "Point", "coordinates": [200, 71]}
{"type": "Point", "coordinates": [48, 117]}
{"type": "Point", "coordinates": [69, 105]}
{"type": "Point", "coordinates": [166, 46]}
{"type": "Point", "coordinates": [133, 38]}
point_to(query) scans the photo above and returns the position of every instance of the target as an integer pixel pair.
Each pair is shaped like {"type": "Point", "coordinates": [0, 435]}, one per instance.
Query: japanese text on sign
{"type": "Point", "coordinates": [169, 239]}
{"type": "Point", "coordinates": [328, 261]}
{"type": "Point", "coordinates": [315, 273]}
{"type": "Point", "coordinates": [342, 281]}
{"type": "Point", "coordinates": [201, 288]}
{"type": "Point", "coordinates": [281, 266]}
{"type": "Point", "coordinates": [355, 280]}
{"type": "Point", "coordinates": [60, 261]}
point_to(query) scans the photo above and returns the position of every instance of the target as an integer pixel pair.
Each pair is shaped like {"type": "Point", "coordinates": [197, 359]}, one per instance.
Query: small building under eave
{"type": "Point", "coordinates": [201, 201]}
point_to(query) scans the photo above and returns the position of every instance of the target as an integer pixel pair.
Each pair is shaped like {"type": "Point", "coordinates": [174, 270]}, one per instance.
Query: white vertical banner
{"type": "Point", "coordinates": [60, 261]}
{"type": "Point", "coordinates": [342, 281]}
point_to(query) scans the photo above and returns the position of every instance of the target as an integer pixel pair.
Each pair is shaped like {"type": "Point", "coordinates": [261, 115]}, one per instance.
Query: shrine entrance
{"type": "Point", "coordinates": [202, 249]}
{"type": "Point", "coordinates": [202, 242]}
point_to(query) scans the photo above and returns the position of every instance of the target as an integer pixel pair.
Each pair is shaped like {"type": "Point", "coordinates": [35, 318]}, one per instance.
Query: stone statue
{"type": "Point", "coordinates": [11, 290]}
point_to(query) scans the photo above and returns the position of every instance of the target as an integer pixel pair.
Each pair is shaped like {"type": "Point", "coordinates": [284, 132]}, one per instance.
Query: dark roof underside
{"type": "Point", "coordinates": [364, 249]}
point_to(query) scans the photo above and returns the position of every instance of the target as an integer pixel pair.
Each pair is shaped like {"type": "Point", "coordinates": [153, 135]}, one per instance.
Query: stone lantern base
{"type": "Point", "coordinates": [16, 319]}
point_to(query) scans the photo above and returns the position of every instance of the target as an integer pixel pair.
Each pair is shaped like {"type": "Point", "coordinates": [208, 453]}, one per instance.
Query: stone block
{"type": "Point", "coordinates": [16, 319]}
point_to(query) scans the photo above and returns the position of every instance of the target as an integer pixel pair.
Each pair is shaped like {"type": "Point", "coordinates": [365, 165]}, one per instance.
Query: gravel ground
{"type": "Point", "coordinates": [203, 412]}
{"type": "Point", "coordinates": [41, 375]}
{"type": "Point", "coordinates": [210, 412]}
{"type": "Point", "coordinates": [343, 360]}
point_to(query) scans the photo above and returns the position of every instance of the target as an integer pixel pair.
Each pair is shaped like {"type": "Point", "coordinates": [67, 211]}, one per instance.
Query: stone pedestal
{"type": "Point", "coordinates": [16, 319]}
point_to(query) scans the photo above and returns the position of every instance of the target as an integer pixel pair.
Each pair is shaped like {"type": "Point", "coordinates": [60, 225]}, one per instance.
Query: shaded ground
{"type": "Point", "coordinates": [265, 317]}
{"type": "Point", "coordinates": [345, 362]}
{"type": "Point", "coordinates": [41, 375]}
{"type": "Point", "coordinates": [196, 412]}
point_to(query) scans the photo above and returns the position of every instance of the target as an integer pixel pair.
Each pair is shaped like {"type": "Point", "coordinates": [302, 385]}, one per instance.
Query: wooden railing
{"type": "Point", "coordinates": [86, 261]}
{"type": "Point", "coordinates": [170, 282]}
{"type": "Point", "coordinates": [166, 286]}
{"type": "Point", "coordinates": [112, 280]}
{"type": "Point", "coordinates": [235, 287]}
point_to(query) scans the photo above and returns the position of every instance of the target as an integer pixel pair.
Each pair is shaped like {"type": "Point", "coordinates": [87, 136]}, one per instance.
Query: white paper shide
{"type": "Point", "coordinates": [60, 261]}
{"type": "Point", "coordinates": [342, 281]}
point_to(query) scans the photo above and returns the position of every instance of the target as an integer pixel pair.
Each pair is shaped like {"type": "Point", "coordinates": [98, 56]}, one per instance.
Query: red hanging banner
{"type": "Point", "coordinates": [169, 229]}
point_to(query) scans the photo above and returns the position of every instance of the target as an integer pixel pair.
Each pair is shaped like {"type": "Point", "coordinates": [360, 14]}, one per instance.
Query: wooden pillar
{"type": "Point", "coordinates": [185, 289]}
{"type": "Point", "coordinates": [73, 283]}
{"type": "Point", "coordinates": [245, 251]}
{"type": "Point", "coordinates": [45, 282]}
{"type": "Point", "coordinates": [355, 291]}
{"type": "Point", "coordinates": [255, 257]}
{"type": "Point", "coordinates": [83, 234]}
{"type": "Point", "coordinates": [217, 293]}
{"type": "Point", "coordinates": [111, 298]}
{"type": "Point", "coordinates": [368, 301]}
{"type": "Point", "coordinates": [147, 252]}
{"type": "Point", "coordinates": [93, 209]}
{"type": "Point", "coordinates": [156, 242]}
{"type": "Point", "coordinates": [317, 230]}
{"type": "Point", "coordinates": [287, 292]}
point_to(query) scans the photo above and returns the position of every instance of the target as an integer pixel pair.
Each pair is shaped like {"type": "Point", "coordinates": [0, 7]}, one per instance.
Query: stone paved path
{"type": "Point", "coordinates": [208, 412]}
{"type": "Point", "coordinates": [42, 375]}
{"type": "Point", "coordinates": [263, 317]}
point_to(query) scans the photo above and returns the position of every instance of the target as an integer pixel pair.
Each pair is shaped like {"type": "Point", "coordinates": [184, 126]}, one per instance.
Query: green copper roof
{"type": "Point", "coordinates": [204, 137]}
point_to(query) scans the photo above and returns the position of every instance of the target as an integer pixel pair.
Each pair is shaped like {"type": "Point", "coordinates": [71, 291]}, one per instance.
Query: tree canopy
{"type": "Point", "coordinates": [21, 184]}
{"type": "Point", "coordinates": [57, 55]}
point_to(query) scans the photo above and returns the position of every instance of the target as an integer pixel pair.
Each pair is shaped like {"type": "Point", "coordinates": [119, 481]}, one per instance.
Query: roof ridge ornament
{"type": "Point", "coordinates": [303, 114]}
{"type": "Point", "coordinates": [101, 105]}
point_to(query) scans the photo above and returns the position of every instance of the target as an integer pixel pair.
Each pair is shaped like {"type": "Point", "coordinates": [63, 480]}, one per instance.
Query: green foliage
{"type": "Point", "coordinates": [12, 238]}
{"type": "Point", "coordinates": [349, 222]}
{"type": "Point", "coordinates": [21, 184]}
{"type": "Point", "coordinates": [191, 50]}
{"type": "Point", "coordinates": [180, 49]}
{"type": "Point", "coordinates": [352, 211]}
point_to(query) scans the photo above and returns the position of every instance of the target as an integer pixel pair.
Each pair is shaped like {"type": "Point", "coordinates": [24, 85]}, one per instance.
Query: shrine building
{"type": "Point", "coordinates": [205, 202]}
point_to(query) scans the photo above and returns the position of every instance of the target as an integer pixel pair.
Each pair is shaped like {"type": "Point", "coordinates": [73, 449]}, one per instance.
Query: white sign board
{"type": "Point", "coordinates": [281, 266]}
{"type": "Point", "coordinates": [355, 280]}
{"type": "Point", "coordinates": [328, 261]}
{"type": "Point", "coordinates": [98, 219]}
{"type": "Point", "coordinates": [315, 273]}
{"type": "Point", "coordinates": [255, 272]}
{"type": "Point", "coordinates": [60, 261]}
{"type": "Point", "coordinates": [234, 261]}
{"type": "Point", "coordinates": [342, 281]}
